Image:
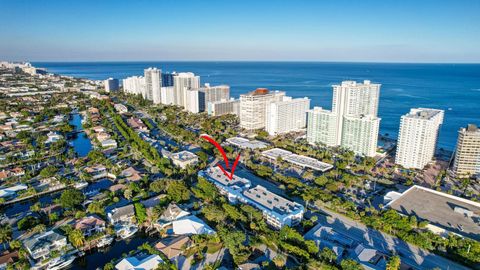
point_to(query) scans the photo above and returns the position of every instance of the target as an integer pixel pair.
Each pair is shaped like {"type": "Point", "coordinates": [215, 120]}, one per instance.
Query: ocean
{"type": "Point", "coordinates": [454, 88]}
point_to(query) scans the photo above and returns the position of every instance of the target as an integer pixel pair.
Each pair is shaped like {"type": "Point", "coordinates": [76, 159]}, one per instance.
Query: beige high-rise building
{"type": "Point", "coordinates": [417, 138]}
{"type": "Point", "coordinates": [215, 93]}
{"type": "Point", "coordinates": [253, 107]}
{"type": "Point", "coordinates": [467, 153]}
{"type": "Point", "coordinates": [231, 106]}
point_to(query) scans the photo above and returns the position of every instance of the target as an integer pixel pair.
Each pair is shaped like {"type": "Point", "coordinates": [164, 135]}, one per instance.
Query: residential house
{"type": "Point", "coordinates": [90, 225]}
{"type": "Point", "coordinates": [173, 247]}
{"type": "Point", "coordinates": [121, 215]}
{"type": "Point", "coordinates": [40, 246]}
{"type": "Point", "coordinates": [139, 263]}
{"type": "Point", "coordinates": [131, 174]}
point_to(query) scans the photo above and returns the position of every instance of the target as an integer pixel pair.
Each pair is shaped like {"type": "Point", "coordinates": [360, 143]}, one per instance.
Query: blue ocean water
{"type": "Point", "coordinates": [454, 88]}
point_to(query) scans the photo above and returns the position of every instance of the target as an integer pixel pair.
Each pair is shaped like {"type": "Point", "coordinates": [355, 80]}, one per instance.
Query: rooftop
{"type": "Point", "coordinates": [246, 143]}
{"type": "Point", "coordinates": [299, 160]}
{"type": "Point", "coordinates": [218, 176]}
{"type": "Point", "coordinates": [270, 200]}
{"type": "Point", "coordinates": [184, 156]}
{"type": "Point", "coordinates": [446, 211]}
{"type": "Point", "coordinates": [423, 113]}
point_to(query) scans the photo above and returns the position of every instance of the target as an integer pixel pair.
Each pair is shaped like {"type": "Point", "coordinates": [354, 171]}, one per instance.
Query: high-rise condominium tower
{"type": "Point", "coordinates": [417, 137]}
{"type": "Point", "coordinates": [353, 121]}
{"type": "Point", "coordinates": [253, 107]}
{"type": "Point", "coordinates": [111, 84]}
{"type": "Point", "coordinates": [153, 84]}
{"type": "Point", "coordinates": [286, 115]}
{"type": "Point", "coordinates": [134, 85]}
{"type": "Point", "coordinates": [215, 93]}
{"type": "Point", "coordinates": [181, 83]}
{"type": "Point", "coordinates": [467, 153]}
{"type": "Point", "coordinates": [321, 126]}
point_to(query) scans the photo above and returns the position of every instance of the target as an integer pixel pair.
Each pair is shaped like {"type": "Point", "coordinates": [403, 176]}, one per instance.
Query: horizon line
{"type": "Point", "coordinates": [249, 61]}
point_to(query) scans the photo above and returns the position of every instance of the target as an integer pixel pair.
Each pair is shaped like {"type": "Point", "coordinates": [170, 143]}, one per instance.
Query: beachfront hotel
{"type": "Point", "coordinates": [417, 137]}
{"type": "Point", "coordinates": [181, 83]}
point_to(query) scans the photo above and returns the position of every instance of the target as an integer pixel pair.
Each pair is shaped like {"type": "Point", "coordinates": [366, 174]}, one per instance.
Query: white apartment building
{"type": "Point", "coordinates": [253, 107]}
{"type": "Point", "coordinates": [195, 100]}
{"type": "Point", "coordinates": [289, 114]}
{"type": "Point", "coordinates": [354, 110]}
{"type": "Point", "coordinates": [134, 85]}
{"type": "Point", "coordinates": [417, 138]}
{"type": "Point", "coordinates": [231, 106]}
{"type": "Point", "coordinates": [153, 84]}
{"type": "Point", "coordinates": [354, 99]}
{"type": "Point", "coordinates": [321, 127]}
{"type": "Point", "coordinates": [360, 134]}
{"type": "Point", "coordinates": [167, 95]}
{"type": "Point", "coordinates": [467, 153]}
{"type": "Point", "coordinates": [181, 83]}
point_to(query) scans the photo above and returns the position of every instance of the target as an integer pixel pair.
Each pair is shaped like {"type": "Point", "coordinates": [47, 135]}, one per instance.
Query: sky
{"type": "Point", "coordinates": [247, 30]}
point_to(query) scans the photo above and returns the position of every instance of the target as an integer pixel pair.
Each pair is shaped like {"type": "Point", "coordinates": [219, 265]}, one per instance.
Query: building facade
{"type": "Point", "coordinates": [467, 153]}
{"type": "Point", "coordinates": [111, 84]}
{"type": "Point", "coordinates": [181, 83]}
{"type": "Point", "coordinates": [153, 84]}
{"type": "Point", "coordinates": [253, 107]}
{"type": "Point", "coordinates": [231, 106]}
{"type": "Point", "coordinates": [417, 138]}
{"type": "Point", "coordinates": [354, 112]}
{"type": "Point", "coordinates": [286, 115]}
{"type": "Point", "coordinates": [134, 85]}
{"type": "Point", "coordinates": [360, 134]}
{"type": "Point", "coordinates": [321, 126]}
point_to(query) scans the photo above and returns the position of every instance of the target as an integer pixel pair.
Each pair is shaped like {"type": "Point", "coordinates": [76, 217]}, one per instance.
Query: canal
{"type": "Point", "coordinates": [97, 258]}
{"type": "Point", "coordinates": [80, 142]}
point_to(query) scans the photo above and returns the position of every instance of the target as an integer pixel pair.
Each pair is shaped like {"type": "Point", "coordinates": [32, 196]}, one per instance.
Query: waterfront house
{"type": "Point", "coordinates": [90, 225]}
{"type": "Point", "coordinates": [11, 192]}
{"type": "Point", "coordinates": [40, 246]}
{"type": "Point", "coordinates": [121, 215]}
{"type": "Point", "coordinates": [139, 262]}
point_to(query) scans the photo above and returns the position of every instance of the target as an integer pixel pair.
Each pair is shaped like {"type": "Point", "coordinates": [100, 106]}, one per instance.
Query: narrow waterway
{"type": "Point", "coordinates": [97, 258]}
{"type": "Point", "coordinates": [81, 143]}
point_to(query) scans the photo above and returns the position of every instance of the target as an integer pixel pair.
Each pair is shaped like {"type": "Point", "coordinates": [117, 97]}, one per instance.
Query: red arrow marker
{"type": "Point", "coordinates": [224, 155]}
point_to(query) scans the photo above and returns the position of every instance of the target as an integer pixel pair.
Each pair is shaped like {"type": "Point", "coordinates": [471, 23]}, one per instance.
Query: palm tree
{"type": "Point", "coordinates": [76, 238]}
{"type": "Point", "coordinates": [5, 234]}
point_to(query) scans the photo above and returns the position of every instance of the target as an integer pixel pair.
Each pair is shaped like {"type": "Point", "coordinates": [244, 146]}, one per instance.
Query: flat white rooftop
{"type": "Point", "coordinates": [299, 160]}
{"type": "Point", "coordinates": [246, 143]}
{"type": "Point", "coordinates": [216, 174]}
{"type": "Point", "coordinates": [271, 201]}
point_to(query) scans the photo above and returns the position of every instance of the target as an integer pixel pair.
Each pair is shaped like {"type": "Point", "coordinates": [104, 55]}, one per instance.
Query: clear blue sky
{"type": "Point", "coordinates": [308, 30]}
